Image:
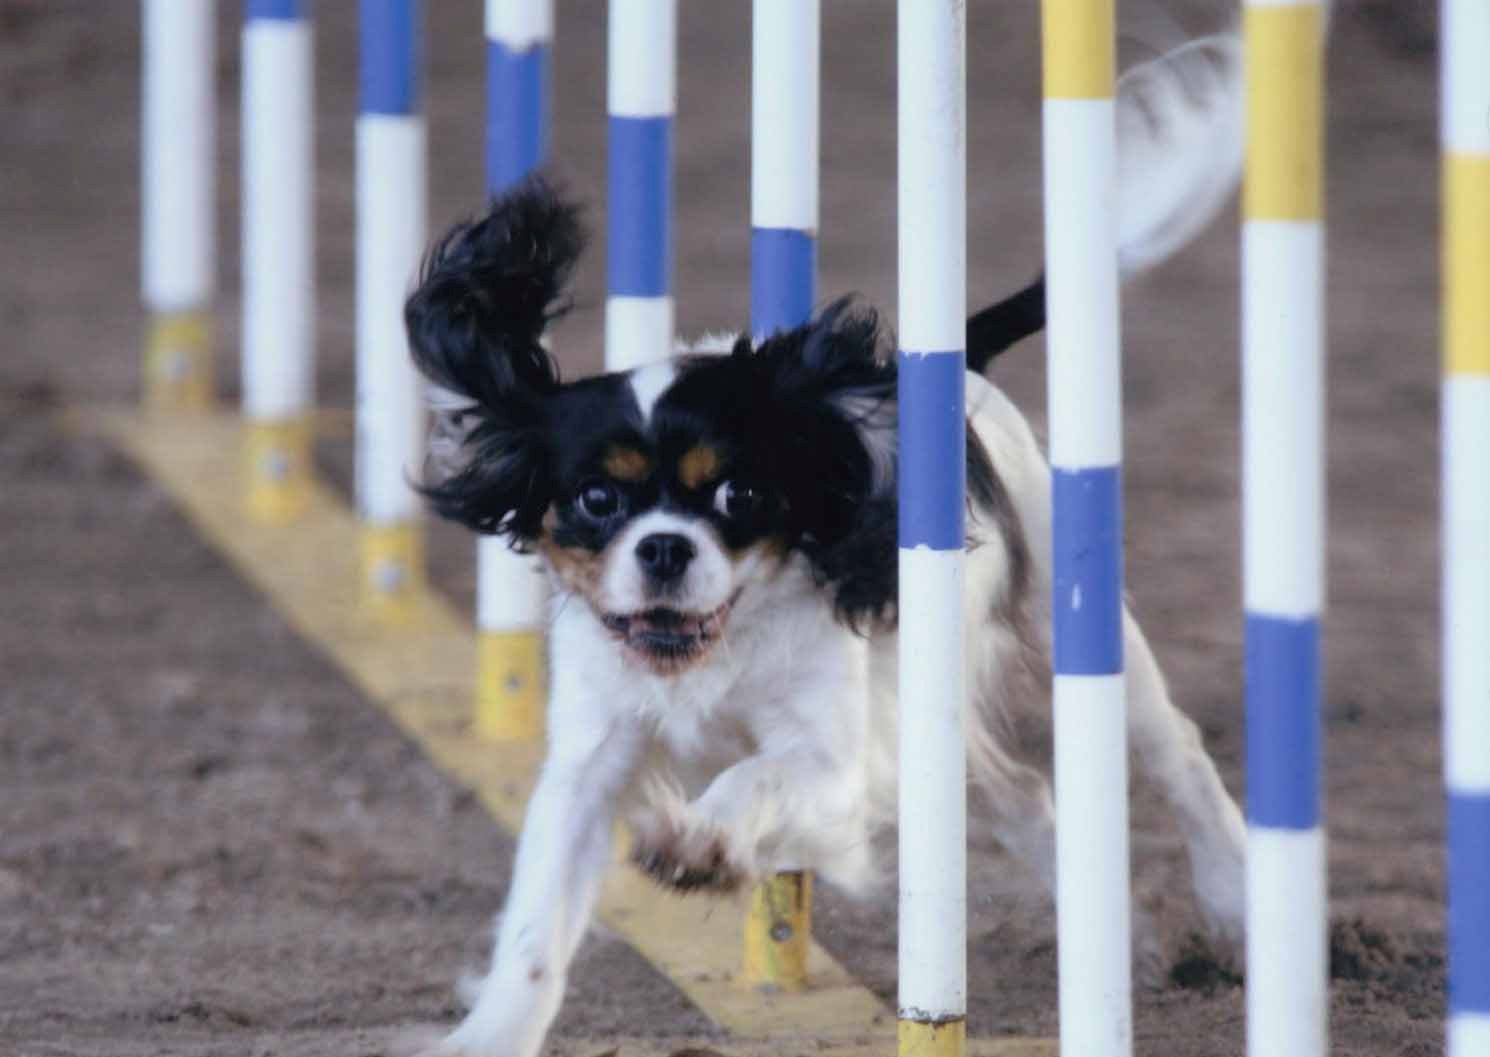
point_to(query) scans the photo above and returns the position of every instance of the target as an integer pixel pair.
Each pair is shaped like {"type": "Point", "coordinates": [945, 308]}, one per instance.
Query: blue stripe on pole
{"type": "Point", "coordinates": [280, 10]}
{"type": "Point", "coordinates": [1469, 902]}
{"type": "Point", "coordinates": [1087, 587]}
{"type": "Point", "coordinates": [389, 59]}
{"type": "Point", "coordinates": [933, 450]}
{"type": "Point", "coordinates": [1282, 690]}
{"type": "Point", "coordinates": [640, 254]}
{"type": "Point", "coordinates": [783, 273]}
{"type": "Point", "coordinates": [516, 113]}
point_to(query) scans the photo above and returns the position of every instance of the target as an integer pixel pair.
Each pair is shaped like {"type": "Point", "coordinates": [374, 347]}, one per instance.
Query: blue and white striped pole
{"type": "Point", "coordinates": [783, 163]}
{"type": "Point", "coordinates": [1283, 500]}
{"type": "Point", "coordinates": [178, 224]}
{"type": "Point", "coordinates": [932, 135]}
{"type": "Point", "coordinates": [511, 684]}
{"type": "Point", "coordinates": [641, 72]}
{"type": "Point", "coordinates": [1086, 450]}
{"type": "Point", "coordinates": [783, 286]}
{"type": "Point", "coordinates": [519, 49]}
{"type": "Point", "coordinates": [278, 256]}
{"type": "Point", "coordinates": [1466, 517]}
{"type": "Point", "coordinates": [390, 238]}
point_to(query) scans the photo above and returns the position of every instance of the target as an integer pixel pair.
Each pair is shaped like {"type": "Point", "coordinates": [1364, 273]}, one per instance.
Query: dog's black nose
{"type": "Point", "coordinates": [664, 555]}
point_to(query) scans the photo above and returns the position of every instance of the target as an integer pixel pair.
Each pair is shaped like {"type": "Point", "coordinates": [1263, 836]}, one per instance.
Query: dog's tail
{"type": "Point", "coordinates": [1179, 147]}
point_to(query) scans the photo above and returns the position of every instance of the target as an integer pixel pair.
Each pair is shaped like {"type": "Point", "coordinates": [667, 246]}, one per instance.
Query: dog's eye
{"type": "Point", "coordinates": [735, 500]}
{"type": "Point", "coordinates": [597, 500]}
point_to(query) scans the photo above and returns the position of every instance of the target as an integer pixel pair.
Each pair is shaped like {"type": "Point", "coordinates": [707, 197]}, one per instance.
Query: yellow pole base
{"type": "Point", "coordinates": [277, 469]}
{"type": "Point", "coordinates": [391, 572]}
{"type": "Point", "coordinates": [511, 685]}
{"type": "Point", "coordinates": [917, 1038]}
{"type": "Point", "coordinates": [778, 932]}
{"type": "Point", "coordinates": [178, 362]}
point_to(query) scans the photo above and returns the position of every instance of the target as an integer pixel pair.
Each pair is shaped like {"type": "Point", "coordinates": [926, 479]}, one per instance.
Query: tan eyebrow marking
{"type": "Point", "coordinates": [699, 465]}
{"type": "Point", "coordinates": [626, 464]}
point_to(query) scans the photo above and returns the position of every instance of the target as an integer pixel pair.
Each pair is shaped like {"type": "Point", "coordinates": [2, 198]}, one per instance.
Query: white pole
{"type": "Point", "coordinates": [278, 256]}
{"type": "Point", "coordinates": [510, 593]}
{"type": "Point", "coordinates": [1466, 517]}
{"type": "Point", "coordinates": [390, 238]}
{"type": "Point", "coordinates": [1085, 407]}
{"type": "Point", "coordinates": [783, 285]}
{"type": "Point", "coordinates": [932, 135]}
{"type": "Point", "coordinates": [1283, 527]}
{"type": "Point", "coordinates": [641, 72]}
{"type": "Point", "coordinates": [177, 183]}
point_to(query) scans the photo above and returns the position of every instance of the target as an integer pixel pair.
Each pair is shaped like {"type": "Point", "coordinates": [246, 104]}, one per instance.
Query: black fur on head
{"type": "Point", "coordinates": [486, 292]}
{"type": "Point", "coordinates": [813, 409]}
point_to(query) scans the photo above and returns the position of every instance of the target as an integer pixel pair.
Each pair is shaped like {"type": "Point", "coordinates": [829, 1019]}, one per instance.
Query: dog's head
{"type": "Point", "coordinates": [664, 495]}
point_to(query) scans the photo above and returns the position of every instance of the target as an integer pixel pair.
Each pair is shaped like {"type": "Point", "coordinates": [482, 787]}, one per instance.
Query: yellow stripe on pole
{"type": "Point", "coordinates": [391, 571]}
{"type": "Point", "coordinates": [178, 362]}
{"type": "Point", "coordinates": [1285, 113]}
{"type": "Point", "coordinates": [511, 685]}
{"type": "Point", "coordinates": [919, 1039]}
{"type": "Point", "coordinates": [1466, 263]}
{"type": "Point", "coordinates": [277, 468]}
{"type": "Point", "coordinates": [1079, 49]}
{"type": "Point", "coordinates": [778, 932]}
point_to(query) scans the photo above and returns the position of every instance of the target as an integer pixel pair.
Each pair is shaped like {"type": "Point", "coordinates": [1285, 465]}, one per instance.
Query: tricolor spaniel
{"type": "Point", "coordinates": [719, 532]}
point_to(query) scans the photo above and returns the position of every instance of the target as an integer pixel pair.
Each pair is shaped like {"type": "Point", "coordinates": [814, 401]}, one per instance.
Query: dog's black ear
{"type": "Point", "coordinates": [833, 389]}
{"type": "Point", "coordinates": [486, 292]}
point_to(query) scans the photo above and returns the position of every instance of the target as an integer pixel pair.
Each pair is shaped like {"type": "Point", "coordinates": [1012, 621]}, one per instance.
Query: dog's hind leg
{"type": "Point", "coordinates": [1167, 745]}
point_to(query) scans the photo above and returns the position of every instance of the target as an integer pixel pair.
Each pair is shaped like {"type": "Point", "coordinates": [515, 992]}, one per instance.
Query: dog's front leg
{"type": "Point", "coordinates": [800, 801]}
{"type": "Point", "coordinates": [561, 858]}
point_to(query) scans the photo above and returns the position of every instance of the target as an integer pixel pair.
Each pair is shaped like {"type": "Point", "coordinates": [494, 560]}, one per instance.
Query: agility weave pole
{"type": "Point", "coordinates": [784, 90]}
{"type": "Point", "coordinates": [511, 597]}
{"type": "Point", "coordinates": [1466, 516]}
{"type": "Point", "coordinates": [278, 257]}
{"type": "Point", "coordinates": [641, 98]}
{"type": "Point", "coordinates": [932, 217]}
{"type": "Point", "coordinates": [390, 238]}
{"type": "Point", "coordinates": [1283, 527]}
{"type": "Point", "coordinates": [178, 184]}
{"type": "Point", "coordinates": [1085, 407]}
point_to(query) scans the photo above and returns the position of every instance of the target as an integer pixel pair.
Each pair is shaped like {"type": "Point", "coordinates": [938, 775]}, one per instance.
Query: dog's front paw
{"type": "Point", "coordinates": [687, 854]}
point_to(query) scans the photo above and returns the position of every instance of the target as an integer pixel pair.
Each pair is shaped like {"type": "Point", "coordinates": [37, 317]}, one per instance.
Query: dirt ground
{"type": "Point", "coordinates": [210, 845]}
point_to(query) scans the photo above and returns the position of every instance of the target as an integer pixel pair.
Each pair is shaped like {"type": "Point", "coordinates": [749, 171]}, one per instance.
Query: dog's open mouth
{"type": "Point", "coordinates": [668, 638]}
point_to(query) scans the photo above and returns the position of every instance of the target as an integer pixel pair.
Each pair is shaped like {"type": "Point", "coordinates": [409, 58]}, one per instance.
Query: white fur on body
{"type": "Point", "coordinates": [779, 749]}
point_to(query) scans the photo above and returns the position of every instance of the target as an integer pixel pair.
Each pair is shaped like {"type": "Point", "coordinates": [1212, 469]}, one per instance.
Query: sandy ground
{"type": "Point", "coordinates": [210, 845]}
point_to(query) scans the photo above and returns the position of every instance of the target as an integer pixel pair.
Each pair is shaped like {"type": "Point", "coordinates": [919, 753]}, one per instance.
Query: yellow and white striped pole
{"type": "Point", "coordinates": [1466, 516]}
{"type": "Point", "coordinates": [177, 185]}
{"type": "Point", "coordinates": [1086, 451]}
{"type": "Point", "coordinates": [278, 257]}
{"type": "Point", "coordinates": [1283, 499]}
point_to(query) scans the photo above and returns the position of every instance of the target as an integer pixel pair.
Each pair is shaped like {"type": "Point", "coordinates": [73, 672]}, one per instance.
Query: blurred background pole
{"type": "Point", "coordinates": [511, 596]}
{"type": "Point", "coordinates": [641, 97]}
{"type": "Point", "coordinates": [391, 208]}
{"type": "Point", "coordinates": [278, 256]}
{"type": "Point", "coordinates": [178, 202]}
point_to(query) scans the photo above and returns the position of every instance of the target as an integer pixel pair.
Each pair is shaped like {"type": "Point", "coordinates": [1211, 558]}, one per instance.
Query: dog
{"type": "Point", "coordinates": [719, 532]}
